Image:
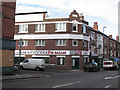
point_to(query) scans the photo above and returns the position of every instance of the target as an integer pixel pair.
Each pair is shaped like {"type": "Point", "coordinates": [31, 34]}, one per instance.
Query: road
{"type": "Point", "coordinates": [102, 79]}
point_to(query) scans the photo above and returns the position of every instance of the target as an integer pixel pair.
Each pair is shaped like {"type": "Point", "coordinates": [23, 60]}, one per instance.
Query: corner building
{"type": "Point", "coordinates": [62, 42]}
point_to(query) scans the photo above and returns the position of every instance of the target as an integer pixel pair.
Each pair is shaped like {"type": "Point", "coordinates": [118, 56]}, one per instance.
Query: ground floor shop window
{"type": "Point", "coordinates": [60, 61]}
{"type": "Point", "coordinates": [86, 60]}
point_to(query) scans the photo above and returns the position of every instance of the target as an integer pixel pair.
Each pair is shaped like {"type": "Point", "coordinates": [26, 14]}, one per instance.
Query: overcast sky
{"type": "Point", "coordinates": [105, 12]}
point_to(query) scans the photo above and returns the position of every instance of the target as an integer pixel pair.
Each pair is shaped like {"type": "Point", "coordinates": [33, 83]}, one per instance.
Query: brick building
{"type": "Point", "coordinates": [64, 43]}
{"type": "Point", "coordinates": [7, 47]}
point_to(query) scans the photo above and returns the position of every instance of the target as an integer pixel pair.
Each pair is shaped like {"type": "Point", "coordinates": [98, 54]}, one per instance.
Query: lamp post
{"type": "Point", "coordinates": [20, 43]}
{"type": "Point", "coordinates": [103, 29]}
{"type": "Point", "coordinates": [104, 42]}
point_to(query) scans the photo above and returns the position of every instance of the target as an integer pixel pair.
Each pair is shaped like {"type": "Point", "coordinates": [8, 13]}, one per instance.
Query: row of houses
{"type": "Point", "coordinates": [64, 43]}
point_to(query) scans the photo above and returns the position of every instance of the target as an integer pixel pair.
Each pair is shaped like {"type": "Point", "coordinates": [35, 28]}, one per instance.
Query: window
{"type": "Point", "coordinates": [85, 43]}
{"type": "Point", "coordinates": [39, 42]}
{"type": "Point", "coordinates": [114, 44]}
{"type": "Point", "coordinates": [60, 42]}
{"type": "Point", "coordinates": [60, 61]}
{"type": "Point", "coordinates": [60, 27]}
{"type": "Point", "coordinates": [23, 28]}
{"type": "Point", "coordinates": [40, 28]}
{"type": "Point", "coordinates": [75, 42]}
{"type": "Point", "coordinates": [92, 49]}
{"type": "Point", "coordinates": [111, 53]}
{"type": "Point", "coordinates": [84, 29]}
{"type": "Point", "coordinates": [74, 27]}
{"type": "Point", "coordinates": [115, 53]}
{"type": "Point", "coordinates": [105, 52]}
{"type": "Point", "coordinates": [24, 43]}
{"type": "Point", "coordinates": [99, 38]}
{"type": "Point", "coordinates": [86, 60]}
{"type": "Point", "coordinates": [92, 35]}
{"type": "Point", "coordinates": [110, 43]}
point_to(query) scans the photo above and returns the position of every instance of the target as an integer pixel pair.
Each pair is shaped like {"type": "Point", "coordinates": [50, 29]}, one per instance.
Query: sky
{"type": "Point", "coordinates": [105, 12]}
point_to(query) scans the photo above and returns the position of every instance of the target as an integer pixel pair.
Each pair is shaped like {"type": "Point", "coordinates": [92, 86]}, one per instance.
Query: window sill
{"type": "Point", "coordinates": [74, 31]}
{"type": "Point", "coordinates": [22, 32]}
{"type": "Point", "coordinates": [60, 31]}
{"type": "Point", "coordinates": [40, 46]}
{"type": "Point", "coordinates": [39, 31]}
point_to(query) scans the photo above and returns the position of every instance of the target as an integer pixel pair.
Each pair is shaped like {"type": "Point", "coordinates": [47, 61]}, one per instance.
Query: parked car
{"type": "Point", "coordinates": [110, 65]}
{"type": "Point", "coordinates": [91, 67]}
{"type": "Point", "coordinates": [36, 64]}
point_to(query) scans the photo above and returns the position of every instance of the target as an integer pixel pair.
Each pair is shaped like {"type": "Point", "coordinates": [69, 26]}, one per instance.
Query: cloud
{"type": "Point", "coordinates": [106, 9]}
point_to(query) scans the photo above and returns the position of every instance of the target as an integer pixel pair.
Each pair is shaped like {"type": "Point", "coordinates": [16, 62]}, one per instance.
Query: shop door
{"type": "Point", "coordinates": [75, 63]}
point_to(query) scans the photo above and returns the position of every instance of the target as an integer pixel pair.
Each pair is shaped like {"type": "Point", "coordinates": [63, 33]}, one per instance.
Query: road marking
{"type": "Point", "coordinates": [108, 86]}
{"type": "Point", "coordinates": [116, 77]}
{"type": "Point", "coordinates": [65, 85]}
{"type": "Point", "coordinates": [108, 78]}
{"type": "Point", "coordinates": [112, 77]}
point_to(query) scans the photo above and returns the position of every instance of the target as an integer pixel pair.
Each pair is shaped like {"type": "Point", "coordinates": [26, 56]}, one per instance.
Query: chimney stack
{"type": "Point", "coordinates": [95, 26]}
{"type": "Point", "coordinates": [117, 38]}
{"type": "Point", "coordinates": [110, 36]}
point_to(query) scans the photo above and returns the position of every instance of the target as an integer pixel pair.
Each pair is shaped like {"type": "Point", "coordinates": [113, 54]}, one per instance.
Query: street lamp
{"type": "Point", "coordinates": [20, 43]}
{"type": "Point", "coordinates": [103, 28]}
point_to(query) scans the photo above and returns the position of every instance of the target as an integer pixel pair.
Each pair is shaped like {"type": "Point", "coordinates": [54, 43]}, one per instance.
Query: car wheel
{"type": "Point", "coordinates": [21, 67]}
{"type": "Point", "coordinates": [37, 68]}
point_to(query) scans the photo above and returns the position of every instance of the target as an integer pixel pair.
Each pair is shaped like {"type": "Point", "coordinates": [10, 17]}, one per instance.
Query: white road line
{"type": "Point", "coordinates": [116, 77]}
{"type": "Point", "coordinates": [65, 85]}
{"type": "Point", "coordinates": [108, 78]}
{"type": "Point", "coordinates": [108, 86]}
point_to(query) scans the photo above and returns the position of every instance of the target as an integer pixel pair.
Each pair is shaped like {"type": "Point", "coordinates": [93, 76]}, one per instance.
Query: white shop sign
{"type": "Point", "coordinates": [51, 52]}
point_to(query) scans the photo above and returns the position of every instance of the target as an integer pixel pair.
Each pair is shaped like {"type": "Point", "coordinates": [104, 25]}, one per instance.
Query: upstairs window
{"type": "Point", "coordinates": [84, 29]}
{"type": "Point", "coordinates": [23, 28]}
{"type": "Point", "coordinates": [24, 43]}
{"type": "Point", "coordinates": [40, 28]}
{"type": "Point", "coordinates": [75, 42]}
{"type": "Point", "coordinates": [92, 35]}
{"type": "Point", "coordinates": [74, 27]}
{"type": "Point", "coordinates": [60, 42]}
{"type": "Point", "coordinates": [60, 27]}
{"type": "Point", "coordinates": [39, 42]}
{"type": "Point", "coordinates": [85, 43]}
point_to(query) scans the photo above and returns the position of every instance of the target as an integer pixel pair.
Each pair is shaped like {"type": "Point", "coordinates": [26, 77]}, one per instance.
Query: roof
{"type": "Point", "coordinates": [30, 13]}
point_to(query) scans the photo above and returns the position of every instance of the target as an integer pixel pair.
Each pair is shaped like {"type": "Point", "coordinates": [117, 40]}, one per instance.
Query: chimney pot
{"type": "Point", "coordinates": [110, 36]}
{"type": "Point", "coordinates": [95, 26]}
{"type": "Point", "coordinates": [117, 38]}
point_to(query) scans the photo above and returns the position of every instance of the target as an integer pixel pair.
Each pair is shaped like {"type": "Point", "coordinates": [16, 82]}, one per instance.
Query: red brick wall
{"type": "Point", "coordinates": [8, 19]}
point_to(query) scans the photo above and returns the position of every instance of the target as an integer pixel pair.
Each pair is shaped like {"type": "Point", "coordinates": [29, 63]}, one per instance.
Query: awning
{"type": "Point", "coordinates": [116, 59]}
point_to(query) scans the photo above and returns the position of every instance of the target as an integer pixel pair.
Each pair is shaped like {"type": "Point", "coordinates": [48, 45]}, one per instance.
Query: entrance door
{"type": "Point", "coordinates": [75, 63]}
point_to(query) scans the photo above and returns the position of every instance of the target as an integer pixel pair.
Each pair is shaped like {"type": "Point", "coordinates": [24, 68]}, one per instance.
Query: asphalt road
{"type": "Point", "coordinates": [102, 79]}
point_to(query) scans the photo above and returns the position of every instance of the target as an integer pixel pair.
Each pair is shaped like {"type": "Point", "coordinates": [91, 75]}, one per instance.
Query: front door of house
{"type": "Point", "coordinates": [75, 63]}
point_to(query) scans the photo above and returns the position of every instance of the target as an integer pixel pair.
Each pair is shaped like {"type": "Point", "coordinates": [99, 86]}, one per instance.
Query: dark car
{"type": "Point", "coordinates": [91, 67]}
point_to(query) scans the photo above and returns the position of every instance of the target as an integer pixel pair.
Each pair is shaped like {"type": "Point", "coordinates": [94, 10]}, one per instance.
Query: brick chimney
{"type": "Point", "coordinates": [110, 36]}
{"type": "Point", "coordinates": [95, 26]}
{"type": "Point", "coordinates": [117, 38]}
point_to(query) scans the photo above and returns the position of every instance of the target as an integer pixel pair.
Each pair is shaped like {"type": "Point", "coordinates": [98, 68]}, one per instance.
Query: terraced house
{"type": "Point", "coordinates": [64, 43]}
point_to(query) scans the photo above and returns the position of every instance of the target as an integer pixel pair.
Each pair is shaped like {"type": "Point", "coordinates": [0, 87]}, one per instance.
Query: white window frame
{"type": "Point", "coordinates": [60, 27]}
{"type": "Point", "coordinates": [23, 28]}
{"type": "Point", "coordinates": [74, 41]}
{"type": "Point", "coordinates": [85, 43]}
{"type": "Point", "coordinates": [39, 28]}
{"type": "Point", "coordinates": [76, 27]}
{"type": "Point", "coordinates": [60, 42]}
{"type": "Point", "coordinates": [24, 43]}
{"type": "Point", "coordinates": [93, 38]}
{"type": "Point", "coordinates": [84, 29]}
{"type": "Point", "coordinates": [40, 42]}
